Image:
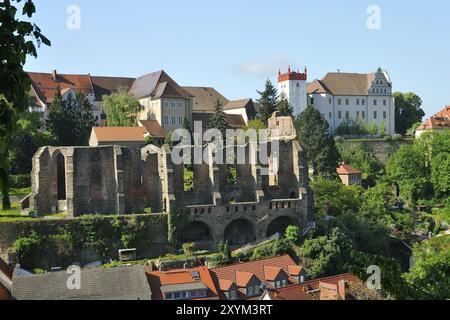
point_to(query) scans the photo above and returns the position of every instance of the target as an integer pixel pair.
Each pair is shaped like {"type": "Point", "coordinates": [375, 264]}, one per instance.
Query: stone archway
{"type": "Point", "coordinates": [239, 232]}
{"type": "Point", "coordinates": [196, 232]}
{"type": "Point", "coordinates": [279, 225]}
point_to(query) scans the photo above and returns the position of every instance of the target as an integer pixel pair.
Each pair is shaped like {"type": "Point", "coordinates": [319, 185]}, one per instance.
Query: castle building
{"type": "Point", "coordinates": [342, 97]}
{"type": "Point", "coordinates": [293, 85]}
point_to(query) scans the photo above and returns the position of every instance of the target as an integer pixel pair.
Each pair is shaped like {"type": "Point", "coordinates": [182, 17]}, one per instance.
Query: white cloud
{"type": "Point", "coordinates": [264, 68]}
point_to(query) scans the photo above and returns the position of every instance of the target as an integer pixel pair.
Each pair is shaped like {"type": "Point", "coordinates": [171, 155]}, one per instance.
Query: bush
{"type": "Point", "coordinates": [292, 233]}
{"type": "Point", "coordinates": [272, 249]}
{"type": "Point", "coordinates": [20, 181]}
{"type": "Point", "coordinates": [351, 127]}
{"type": "Point", "coordinates": [397, 137]}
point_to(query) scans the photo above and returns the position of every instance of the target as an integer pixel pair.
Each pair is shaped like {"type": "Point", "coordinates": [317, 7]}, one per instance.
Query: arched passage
{"type": "Point", "coordinates": [61, 177]}
{"type": "Point", "coordinates": [239, 232]}
{"type": "Point", "coordinates": [279, 225]}
{"type": "Point", "coordinates": [196, 232]}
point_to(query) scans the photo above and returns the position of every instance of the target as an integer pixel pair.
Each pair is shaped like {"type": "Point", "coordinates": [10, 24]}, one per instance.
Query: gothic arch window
{"type": "Point", "coordinates": [61, 177]}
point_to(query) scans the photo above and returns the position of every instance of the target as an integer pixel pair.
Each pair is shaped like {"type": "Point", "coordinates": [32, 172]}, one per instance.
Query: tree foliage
{"type": "Point", "coordinates": [408, 111]}
{"type": "Point", "coordinates": [18, 39]}
{"type": "Point", "coordinates": [317, 142]}
{"type": "Point", "coordinates": [431, 270]}
{"type": "Point", "coordinates": [283, 106]}
{"type": "Point", "coordinates": [217, 119]}
{"type": "Point", "coordinates": [121, 109]}
{"type": "Point", "coordinates": [267, 101]}
{"type": "Point", "coordinates": [70, 119]}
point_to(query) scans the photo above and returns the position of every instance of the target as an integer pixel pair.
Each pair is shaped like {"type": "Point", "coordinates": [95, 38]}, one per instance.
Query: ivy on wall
{"type": "Point", "coordinates": [48, 244]}
{"type": "Point", "coordinates": [176, 221]}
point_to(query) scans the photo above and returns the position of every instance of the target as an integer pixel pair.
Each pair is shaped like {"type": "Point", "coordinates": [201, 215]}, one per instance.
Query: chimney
{"type": "Point", "coordinates": [55, 75]}
{"type": "Point", "coordinates": [343, 289]}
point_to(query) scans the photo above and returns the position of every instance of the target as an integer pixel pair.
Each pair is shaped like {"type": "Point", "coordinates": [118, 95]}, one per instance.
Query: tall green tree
{"type": "Point", "coordinates": [283, 106]}
{"type": "Point", "coordinates": [267, 101]}
{"type": "Point", "coordinates": [317, 141]}
{"type": "Point", "coordinates": [408, 111]}
{"type": "Point", "coordinates": [18, 39]}
{"type": "Point", "coordinates": [431, 270]}
{"type": "Point", "coordinates": [121, 109]}
{"type": "Point", "coordinates": [407, 169]}
{"type": "Point", "coordinates": [70, 120]}
{"type": "Point", "coordinates": [217, 119]}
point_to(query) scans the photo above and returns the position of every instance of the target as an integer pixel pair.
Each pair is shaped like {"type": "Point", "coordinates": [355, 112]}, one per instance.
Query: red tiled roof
{"type": "Point", "coordinates": [45, 86]}
{"type": "Point", "coordinates": [271, 273]}
{"type": "Point", "coordinates": [347, 169]}
{"type": "Point", "coordinates": [435, 123]}
{"type": "Point", "coordinates": [253, 267]}
{"type": "Point", "coordinates": [112, 134]}
{"type": "Point", "coordinates": [157, 279]}
{"type": "Point", "coordinates": [299, 291]}
{"type": "Point", "coordinates": [444, 113]}
{"type": "Point", "coordinates": [295, 270]}
{"type": "Point", "coordinates": [225, 285]}
{"type": "Point", "coordinates": [243, 278]}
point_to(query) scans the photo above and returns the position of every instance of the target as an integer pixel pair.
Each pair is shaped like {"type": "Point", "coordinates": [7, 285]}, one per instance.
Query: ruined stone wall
{"type": "Point", "coordinates": [103, 180]}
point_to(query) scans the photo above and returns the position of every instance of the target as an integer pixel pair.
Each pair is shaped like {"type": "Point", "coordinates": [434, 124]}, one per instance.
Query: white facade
{"type": "Point", "coordinates": [363, 97]}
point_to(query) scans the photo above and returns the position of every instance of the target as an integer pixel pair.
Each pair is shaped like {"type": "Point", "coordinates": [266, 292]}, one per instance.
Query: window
{"type": "Point", "coordinates": [180, 121]}
{"type": "Point", "coordinates": [330, 115]}
{"type": "Point", "coordinates": [357, 114]}
{"type": "Point", "coordinates": [166, 104]}
{"type": "Point", "coordinates": [347, 102]}
{"type": "Point", "coordinates": [232, 295]}
{"type": "Point", "coordinates": [329, 100]}
{"type": "Point", "coordinates": [302, 279]}
{"type": "Point", "coordinates": [339, 114]}
{"type": "Point", "coordinates": [298, 85]}
{"type": "Point", "coordinates": [374, 114]}
{"type": "Point", "coordinates": [363, 102]}
{"type": "Point", "coordinates": [174, 120]}
{"type": "Point", "coordinates": [384, 102]}
{"type": "Point", "coordinates": [363, 115]}
{"type": "Point", "coordinates": [347, 115]}
{"type": "Point", "coordinates": [256, 289]}
{"type": "Point", "coordinates": [168, 296]}
{"type": "Point", "coordinates": [180, 105]}
{"type": "Point", "coordinates": [357, 102]}
{"type": "Point", "coordinates": [339, 102]}
{"type": "Point", "coordinates": [177, 295]}
{"type": "Point", "coordinates": [374, 102]}
{"type": "Point", "coordinates": [172, 104]}
{"type": "Point", "coordinates": [278, 284]}
{"type": "Point", "coordinates": [312, 100]}
{"type": "Point", "coordinates": [384, 115]}
{"type": "Point", "coordinates": [250, 291]}
{"type": "Point", "coordinates": [166, 120]}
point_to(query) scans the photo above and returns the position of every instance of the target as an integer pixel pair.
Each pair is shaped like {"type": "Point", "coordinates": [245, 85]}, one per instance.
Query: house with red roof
{"type": "Point", "coordinates": [247, 280]}
{"type": "Point", "coordinates": [183, 284]}
{"type": "Point", "coordinates": [437, 123]}
{"type": "Point", "coordinates": [340, 287]}
{"type": "Point", "coordinates": [349, 175]}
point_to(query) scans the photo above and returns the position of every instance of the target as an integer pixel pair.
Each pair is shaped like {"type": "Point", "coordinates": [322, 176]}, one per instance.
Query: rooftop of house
{"type": "Point", "coordinates": [153, 127]}
{"type": "Point", "coordinates": [46, 84]}
{"type": "Point", "coordinates": [123, 134]}
{"type": "Point", "coordinates": [107, 85]}
{"type": "Point", "coordinates": [341, 83]}
{"type": "Point", "coordinates": [205, 98]}
{"type": "Point", "coordinates": [311, 290]}
{"type": "Point", "coordinates": [234, 121]}
{"type": "Point", "coordinates": [439, 121]}
{"type": "Point", "coordinates": [345, 169]}
{"type": "Point", "coordinates": [265, 270]}
{"type": "Point", "coordinates": [121, 283]}
{"type": "Point", "coordinates": [178, 280]}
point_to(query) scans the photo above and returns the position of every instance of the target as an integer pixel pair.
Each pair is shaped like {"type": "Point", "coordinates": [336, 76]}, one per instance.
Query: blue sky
{"type": "Point", "coordinates": [235, 45]}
